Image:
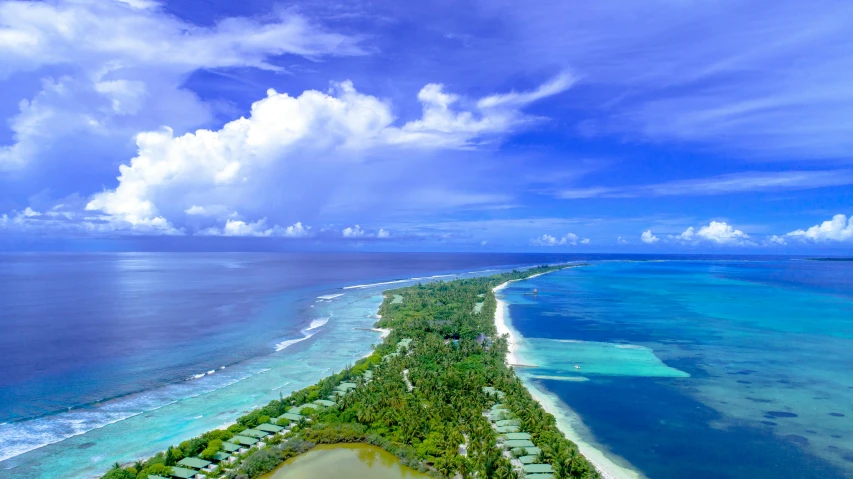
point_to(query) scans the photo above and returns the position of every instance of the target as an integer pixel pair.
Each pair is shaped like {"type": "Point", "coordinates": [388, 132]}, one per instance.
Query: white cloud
{"type": "Point", "coordinates": [648, 238]}
{"type": "Point", "coordinates": [72, 220]}
{"type": "Point", "coordinates": [687, 235]}
{"type": "Point", "coordinates": [444, 125]}
{"type": "Point", "coordinates": [839, 228]}
{"type": "Point", "coordinates": [257, 229]}
{"type": "Point", "coordinates": [749, 181]}
{"type": "Point", "coordinates": [110, 68]}
{"type": "Point", "coordinates": [29, 212]}
{"type": "Point", "coordinates": [776, 240]}
{"type": "Point", "coordinates": [721, 233]}
{"type": "Point", "coordinates": [741, 78]}
{"type": "Point", "coordinates": [283, 138]}
{"type": "Point", "coordinates": [570, 239]}
{"type": "Point", "coordinates": [620, 240]}
{"type": "Point", "coordinates": [214, 211]}
{"type": "Point", "coordinates": [353, 232]}
{"type": "Point", "coordinates": [141, 4]}
{"type": "Point", "coordinates": [296, 231]}
{"type": "Point", "coordinates": [383, 234]}
{"type": "Point", "coordinates": [716, 232]}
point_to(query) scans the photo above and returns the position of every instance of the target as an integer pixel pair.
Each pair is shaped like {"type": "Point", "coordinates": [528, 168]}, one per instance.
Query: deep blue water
{"type": "Point", "coordinates": [105, 357]}
{"type": "Point", "coordinates": [765, 349]}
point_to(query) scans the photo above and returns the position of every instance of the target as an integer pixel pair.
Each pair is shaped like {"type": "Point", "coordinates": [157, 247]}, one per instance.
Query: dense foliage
{"type": "Point", "coordinates": [424, 401]}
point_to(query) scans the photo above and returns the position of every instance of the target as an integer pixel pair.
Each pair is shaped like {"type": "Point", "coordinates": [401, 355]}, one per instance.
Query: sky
{"type": "Point", "coordinates": [664, 126]}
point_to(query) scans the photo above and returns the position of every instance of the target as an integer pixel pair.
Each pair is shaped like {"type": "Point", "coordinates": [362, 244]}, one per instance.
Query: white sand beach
{"type": "Point", "coordinates": [383, 332]}
{"type": "Point", "coordinates": [568, 423]}
{"type": "Point", "coordinates": [504, 328]}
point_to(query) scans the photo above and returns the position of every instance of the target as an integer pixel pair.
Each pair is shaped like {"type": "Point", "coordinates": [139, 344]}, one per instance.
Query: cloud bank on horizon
{"type": "Point", "coordinates": [618, 127]}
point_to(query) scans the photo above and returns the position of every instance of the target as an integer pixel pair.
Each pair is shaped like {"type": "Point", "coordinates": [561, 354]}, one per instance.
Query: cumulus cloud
{"type": "Point", "coordinates": [686, 236]}
{"type": "Point", "coordinates": [353, 232]}
{"type": "Point", "coordinates": [648, 238]}
{"type": "Point", "coordinates": [570, 239]}
{"type": "Point", "coordinates": [716, 232]}
{"type": "Point", "coordinates": [109, 69]}
{"type": "Point", "coordinates": [284, 137]}
{"type": "Point", "coordinates": [383, 234]}
{"type": "Point", "coordinates": [776, 240]}
{"type": "Point", "coordinates": [257, 229]}
{"type": "Point", "coordinates": [64, 219]}
{"type": "Point", "coordinates": [839, 228]}
{"type": "Point", "coordinates": [620, 240]}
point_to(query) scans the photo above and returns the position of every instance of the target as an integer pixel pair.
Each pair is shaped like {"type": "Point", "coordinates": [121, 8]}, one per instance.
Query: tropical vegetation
{"type": "Point", "coordinates": [420, 396]}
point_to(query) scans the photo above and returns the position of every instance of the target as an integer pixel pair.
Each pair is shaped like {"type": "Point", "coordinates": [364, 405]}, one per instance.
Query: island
{"type": "Point", "coordinates": [437, 393]}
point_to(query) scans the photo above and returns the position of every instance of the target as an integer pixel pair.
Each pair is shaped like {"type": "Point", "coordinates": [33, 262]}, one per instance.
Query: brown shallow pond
{"type": "Point", "coordinates": [345, 461]}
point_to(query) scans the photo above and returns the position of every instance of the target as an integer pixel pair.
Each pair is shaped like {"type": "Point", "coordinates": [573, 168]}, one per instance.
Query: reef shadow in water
{"type": "Point", "coordinates": [659, 430]}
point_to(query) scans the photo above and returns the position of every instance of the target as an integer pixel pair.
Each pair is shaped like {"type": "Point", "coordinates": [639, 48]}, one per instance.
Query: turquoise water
{"type": "Point", "coordinates": [328, 346]}
{"type": "Point", "coordinates": [700, 369]}
{"type": "Point", "coordinates": [112, 357]}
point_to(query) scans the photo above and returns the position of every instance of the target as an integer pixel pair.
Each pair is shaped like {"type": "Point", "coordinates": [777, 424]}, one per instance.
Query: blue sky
{"type": "Point", "coordinates": [618, 126]}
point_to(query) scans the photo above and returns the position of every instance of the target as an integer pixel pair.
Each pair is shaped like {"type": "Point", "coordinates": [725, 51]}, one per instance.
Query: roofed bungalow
{"type": "Point", "coordinates": [324, 403]}
{"type": "Point", "coordinates": [526, 451]}
{"type": "Point", "coordinates": [243, 440]}
{"type": "Point", "coordinates": [193, 463]}
{"type": "Point", "coordinates": [254, 433]}
{"type": "Point", "coordinates": [539, 476]}
{"type": "Point", "coordinates": [500, 414]}
{"type": "Point", "coordinates": [516, 435]}
{"type": "Point", "coordinates": [222, 456]}
{"type": "Point", "coordinates": [229, 447]}
{"type": "Point", "coordinates": [310, 406]}
{"type": "Point", "coordinates": [345, 386]}
{"type": "Point", "coordinates": [289, 416]}
{"type": "Point", "coordinates": [493, 392]}
{"type": "Point", "coordinates": [505, 429]}
{"type": "Point", "coordinates": [537, 469]}
{"type": "Point", "coordinates": [530, 459]}
{"type": "Point", "coordinates": [270, 428]}
{"type": "Point", "coordinates": [152, 476]}
{"type": "Point", "coordinates": [183, 473]}
{"type": "Point", "coordinates": [514, 443]}
{"type": "Point", "coordinates": [508, 422]}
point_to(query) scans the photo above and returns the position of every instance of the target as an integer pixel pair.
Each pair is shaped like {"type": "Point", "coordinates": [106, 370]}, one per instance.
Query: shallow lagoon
{"type": "Point", "coordinates": [350, 461]}
{"type": "Point", "coordinates": [765, 349]}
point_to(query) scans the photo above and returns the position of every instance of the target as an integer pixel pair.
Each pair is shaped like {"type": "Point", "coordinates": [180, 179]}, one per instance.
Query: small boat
{"type": "Point", "coordinates": [577, 367]}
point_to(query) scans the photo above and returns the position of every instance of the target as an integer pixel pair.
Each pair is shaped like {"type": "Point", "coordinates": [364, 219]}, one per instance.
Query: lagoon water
{"type": "Point", "coordinates": [112, 357]}
{"type": "Point", "coordinates": [701, 369]}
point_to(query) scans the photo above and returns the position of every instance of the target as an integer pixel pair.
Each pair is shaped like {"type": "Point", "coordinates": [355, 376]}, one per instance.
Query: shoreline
{"type": "Point", "coordinates": [550, 402]}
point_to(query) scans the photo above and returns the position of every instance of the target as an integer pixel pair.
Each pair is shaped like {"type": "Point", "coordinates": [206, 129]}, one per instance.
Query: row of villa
{"type": "Point", "coordinates": [257, 437]}
{"type": "Point", "coordinates": [516, 444]}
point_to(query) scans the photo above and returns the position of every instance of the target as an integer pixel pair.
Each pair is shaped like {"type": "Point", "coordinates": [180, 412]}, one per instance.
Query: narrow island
{"type": "Point", "coordinates": [437, 393]}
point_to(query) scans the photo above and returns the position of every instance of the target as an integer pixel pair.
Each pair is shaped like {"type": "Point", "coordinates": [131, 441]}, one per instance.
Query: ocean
{"type": "Point", "coordinates": [111, 357]}
{"type": "Point", "coordinates": [712, 368]}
